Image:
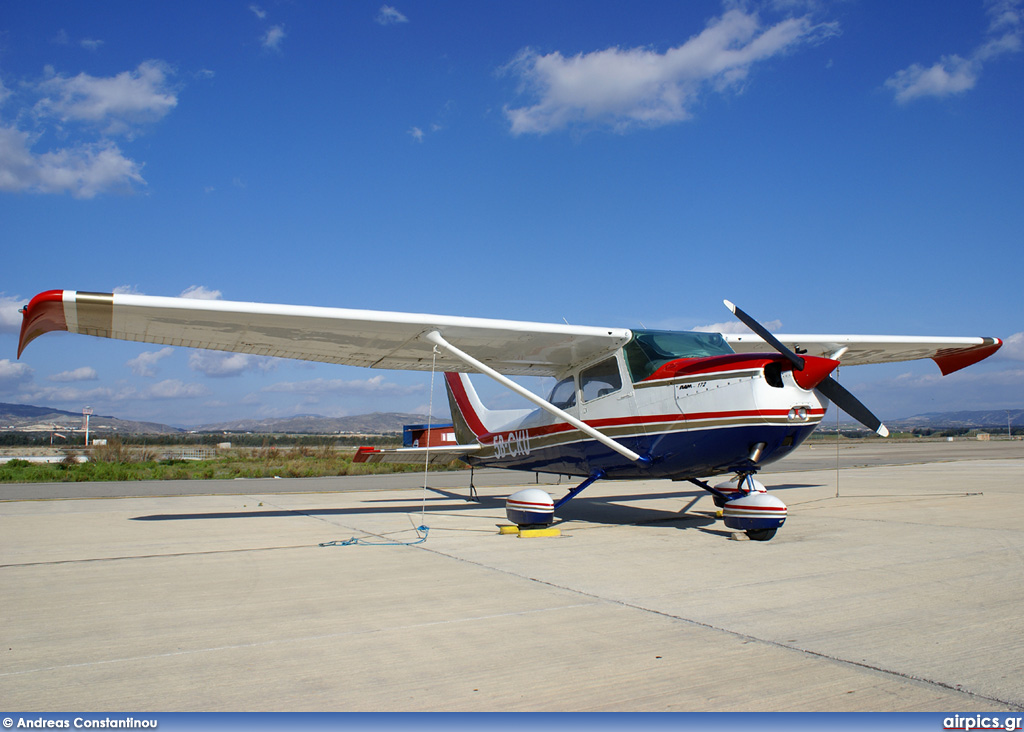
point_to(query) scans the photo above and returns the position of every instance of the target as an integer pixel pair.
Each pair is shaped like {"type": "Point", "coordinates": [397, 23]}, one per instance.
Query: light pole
{"type": "Point", "coordinates": [85, 413]}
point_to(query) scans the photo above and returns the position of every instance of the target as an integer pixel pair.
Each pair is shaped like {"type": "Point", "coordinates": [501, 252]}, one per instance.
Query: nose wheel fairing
{"type": "Point", "coordinates": [755, 513]}
{"type": "Point", "coordinates": [747, 506]}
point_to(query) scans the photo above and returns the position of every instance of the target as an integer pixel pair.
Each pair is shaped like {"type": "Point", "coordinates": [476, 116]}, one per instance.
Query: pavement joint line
{"type": "Point", "coordinates": [156, 556]}
{"type": "Point", "coordinates": [300, 639]}
{"type": "Point", "coordinates": [737, 634]}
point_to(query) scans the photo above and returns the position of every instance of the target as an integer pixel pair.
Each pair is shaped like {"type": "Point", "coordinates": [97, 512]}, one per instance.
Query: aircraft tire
{"type": "Point", "coordinates": [760, 534]}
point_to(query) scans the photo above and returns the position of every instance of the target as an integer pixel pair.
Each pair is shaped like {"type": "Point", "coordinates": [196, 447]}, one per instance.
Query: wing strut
{"type": "Point", "coordinates": [436, 338]}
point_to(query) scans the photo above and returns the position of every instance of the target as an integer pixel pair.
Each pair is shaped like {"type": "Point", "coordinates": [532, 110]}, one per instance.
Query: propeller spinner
{"type": "Point", "coordinates": [828, 386]}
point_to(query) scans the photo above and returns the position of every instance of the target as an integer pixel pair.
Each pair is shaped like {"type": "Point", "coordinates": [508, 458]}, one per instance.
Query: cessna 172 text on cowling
{"type": "Point", "coordinates": [626, 404]}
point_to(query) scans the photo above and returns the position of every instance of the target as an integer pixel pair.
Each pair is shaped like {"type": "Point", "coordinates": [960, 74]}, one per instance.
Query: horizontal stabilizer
{"type": "Point", "coordinates": [440, 455]}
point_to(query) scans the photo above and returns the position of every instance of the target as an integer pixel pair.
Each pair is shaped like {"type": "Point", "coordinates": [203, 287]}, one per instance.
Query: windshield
{"type": "Point", "coordinates": [651, 349]}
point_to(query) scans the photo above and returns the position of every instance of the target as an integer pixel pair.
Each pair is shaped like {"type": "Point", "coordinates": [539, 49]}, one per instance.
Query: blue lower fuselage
{"type": "Point", "coordinates": [675, 455]}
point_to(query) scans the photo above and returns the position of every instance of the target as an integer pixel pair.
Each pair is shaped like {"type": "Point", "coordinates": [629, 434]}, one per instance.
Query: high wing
{"type": "Point", "coordinates": [389, 340]}
{"type": "Point", "coordinates": [951, 354]}
{"type": "Point", "coordinates": [374, 339]}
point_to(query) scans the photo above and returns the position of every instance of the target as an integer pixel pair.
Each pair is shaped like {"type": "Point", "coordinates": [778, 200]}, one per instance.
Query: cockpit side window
{"type": "Point", "coordinates": [600, 379]}
{"type": "Point", "coordinates": [563, 395]}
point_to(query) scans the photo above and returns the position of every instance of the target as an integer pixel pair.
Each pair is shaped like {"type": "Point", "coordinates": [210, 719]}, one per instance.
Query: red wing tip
{"type": "Point", "coordinates": [43, 314]}
{"type": "Point", "coordinates": [954, 359]}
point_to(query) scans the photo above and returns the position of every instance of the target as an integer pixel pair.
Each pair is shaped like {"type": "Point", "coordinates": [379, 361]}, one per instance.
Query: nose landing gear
{"type": "Point", "coordinates": [746, 505]}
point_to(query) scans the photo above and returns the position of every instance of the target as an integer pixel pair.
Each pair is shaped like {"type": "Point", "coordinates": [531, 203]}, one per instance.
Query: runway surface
{"type": "Point", "coordinates": [902, 594]}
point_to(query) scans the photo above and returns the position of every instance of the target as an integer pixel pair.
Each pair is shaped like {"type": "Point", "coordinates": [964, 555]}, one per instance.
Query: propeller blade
{"type": "Point", "coordinates": [760, 330]}
{"type": "Point", "coordinates": [851, 405]}
{"type": "Point", "coordinates": [829, 387]}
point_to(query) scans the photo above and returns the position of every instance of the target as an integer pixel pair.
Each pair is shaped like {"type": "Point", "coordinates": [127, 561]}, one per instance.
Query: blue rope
{"type": "Point", "coordinates": [363, 542]}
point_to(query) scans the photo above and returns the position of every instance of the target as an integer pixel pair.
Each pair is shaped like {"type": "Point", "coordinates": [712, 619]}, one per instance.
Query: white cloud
{"type": "Point", "coordinates": [70, 395]}
{"type": "Point", "coordinates": [388, 15]}
{"type": "Point", "coordinates": [373, 385]}
{"type": "Point", "coordinates": [258, 12]}
{"type": "Point", "coordinates": [625, 89]}
{"type": "Point", "coordinates": [910, 393]}
{"type": "Point", "coordinates": [951, 75]}
{"type": "Point", "coordinates": [85, 373]}
{"type": "Point", "coordinates": [63, 39]}
{"type": "Point", "coordinates": [955, 74]}
{"type": "Point", "coordinates": [10, 317]}
{"type": "Point", "coordinates": [416, 133]}
{"type": "Point", "coordinates": [219, 364]}
{"type": "Point", "coordinates": [1013, 348]}
{"type": "Point", "coordinates": [175, 389]}
{"type": "Point", "coordinates": [145, 363]}
{"type": "Point", "coordinates": [75, 108]}
{"type": "Point", "coordinates": [735, 326]}
{"type": "Point", "coordinates": [199, 292]}
{"type": "Point", "coordinates": [104, 397]}
{"type": "Point", "coordinates": [273, 37]}
{"type": "Point", "coordinates": [12, 371]}
{"type": "Point", "coordinates": [83, 171]}
{"type": "Point", "coordinates": [117, 103]}
{"type": "Point", "coordinates": [127, 290]}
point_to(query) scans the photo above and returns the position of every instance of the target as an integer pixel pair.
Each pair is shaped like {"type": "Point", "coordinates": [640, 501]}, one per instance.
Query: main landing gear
{"type": "Point", "coordinates": [533, 507]}
{"type": "Point", "coordinates": [745, 502]}
{"type": "Point", "coordinates": [746, 505]}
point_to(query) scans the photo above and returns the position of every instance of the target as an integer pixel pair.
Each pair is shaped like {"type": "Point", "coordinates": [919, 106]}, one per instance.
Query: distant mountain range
{"type": "Point", "coordinates": [370, 424]}
{"type": "Point", "coordinates": [22, 417]}
{"type": "Point", "coordinates": [981, 419]}
{"type": "Point", "coordinates": [25, 418]}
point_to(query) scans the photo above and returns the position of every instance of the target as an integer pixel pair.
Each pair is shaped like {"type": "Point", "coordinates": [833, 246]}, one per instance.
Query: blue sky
{"type": "Point", "coordinates": [851, 166]}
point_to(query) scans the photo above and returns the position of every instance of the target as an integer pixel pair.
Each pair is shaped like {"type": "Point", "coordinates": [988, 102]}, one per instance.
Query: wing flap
{"type": "Point", "coordinates": [950, 354]}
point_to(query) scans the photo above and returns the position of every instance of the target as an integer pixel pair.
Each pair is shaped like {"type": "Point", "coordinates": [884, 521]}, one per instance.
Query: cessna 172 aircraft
{"type": "Point", "coordinates": [633, 404]}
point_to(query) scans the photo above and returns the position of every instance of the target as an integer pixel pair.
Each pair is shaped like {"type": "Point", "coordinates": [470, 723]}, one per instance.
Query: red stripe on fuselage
{"type": "Point", "coordinates": [654, 419]}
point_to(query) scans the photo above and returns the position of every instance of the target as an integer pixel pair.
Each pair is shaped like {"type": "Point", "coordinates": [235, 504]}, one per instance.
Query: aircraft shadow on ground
{"type": "Point", "coordinates": [609, 510]}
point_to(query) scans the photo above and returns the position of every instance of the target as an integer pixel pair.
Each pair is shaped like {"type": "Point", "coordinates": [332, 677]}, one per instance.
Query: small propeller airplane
{"type": "Point", "coordinates": [627, 404]}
